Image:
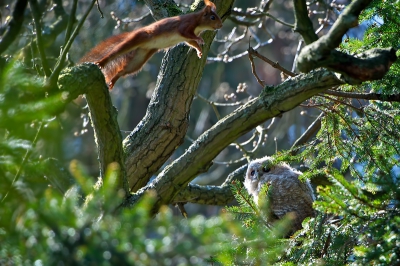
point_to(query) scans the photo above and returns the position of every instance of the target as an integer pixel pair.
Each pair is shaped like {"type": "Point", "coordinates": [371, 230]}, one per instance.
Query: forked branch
{"type": "Point", "coordinates": [370, 65]}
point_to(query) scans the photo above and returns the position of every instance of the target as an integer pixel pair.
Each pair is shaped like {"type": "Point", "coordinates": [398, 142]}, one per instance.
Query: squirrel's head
{"type": "Point", "coordinates": [210, 19]}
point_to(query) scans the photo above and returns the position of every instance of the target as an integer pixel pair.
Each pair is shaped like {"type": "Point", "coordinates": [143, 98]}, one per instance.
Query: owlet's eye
{"type": "Point", "coordinates": [266, 169]}
{"type": "Point", "coordinates": [252, 173]}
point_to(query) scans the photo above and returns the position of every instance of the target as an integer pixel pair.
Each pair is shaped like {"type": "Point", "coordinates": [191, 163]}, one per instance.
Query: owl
{"type": "Point", "coordinates": [287, 194]}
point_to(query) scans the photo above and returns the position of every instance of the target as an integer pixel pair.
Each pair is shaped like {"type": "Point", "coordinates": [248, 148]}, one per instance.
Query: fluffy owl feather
{"type": "Point", "coordinates": [286, 192]}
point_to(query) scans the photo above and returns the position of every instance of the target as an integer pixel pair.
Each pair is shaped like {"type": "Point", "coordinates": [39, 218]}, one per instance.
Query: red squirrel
{"type": "Point", "coordinates": [127, 52]}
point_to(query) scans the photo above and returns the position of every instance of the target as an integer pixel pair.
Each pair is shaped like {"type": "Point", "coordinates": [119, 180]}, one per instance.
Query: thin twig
{"type": "Point", "coordinates": [252, 206]}
{"type": "Point", "coordinates": [299, 45]}
{"type": "Point", "coordinates": [279, 21]}
{"type": "Point", "coordinates": [240, 147]}
{"type": "Point", "coordinates": [59, 66]}
{"type": "Point", "coordinates": [273, 64]}
{"type": "Point", "coordinates": [253, 69]}
{"type": "Point", "coordinates": [70, 21]}
{"type": "Point", "coordinates": [311, 130]}
{"type": "Point", "coordinates": [237, 144]}
{"type": "Point", "coordinates": [341, 102]}
{"type": "Point", "coordinates": [218, 104]}
{"type": "Point", "coordinates": [365, 96]}
{"type": "Point", "coordinates": [249, 140]}
{"type": "Point", "coordinates": [357, 136]}
{"type": "Point", "coordinates": [26, 157]}
{"type": "Point", "coordinates": [121, 21]}
{"type": "Point", "coordinates": [262, 136]}
{"type": "Point", "coordinates": [229, 162]}
{"type": "Point", "coordinates": [36, 13]}
{"type": "Point", "coordinates": [256, 15]}
{"type": "Point", "coordinates": [98, 8]}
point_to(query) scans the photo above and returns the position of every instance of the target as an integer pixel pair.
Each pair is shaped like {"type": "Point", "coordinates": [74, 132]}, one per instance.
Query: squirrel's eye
{"type": "Point", "coordinates": [266, 169]}
{"type": "Point", "coordinates": [212, 17]}
{"type": "Point", "coordinates": [252, 173]}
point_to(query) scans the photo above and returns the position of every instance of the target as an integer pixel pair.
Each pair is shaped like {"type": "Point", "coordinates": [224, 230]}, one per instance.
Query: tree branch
{"type": "Point", "coordinates": [311, 130]}
{"type": "Point", "coordinates": [71, 21]}
{"type": "Point", "coordinates": [370, 65]}
{"type": "Point", "coordinates": [14, 26]}
{"type": "Point", "coordinates": [103, 114]}
{"type": "Point", "coordinates": [303, 24]}
{"type": "Point", "coordinates": [365, 96]}
{"type": "Point", "coordinates": [272, 63]}
{"type": "Point", "coordinates": [272, 102]}
{"type": "Point", "coordinates": [164, 126]}
{"type": "Point", "coordinates": [212, 195]}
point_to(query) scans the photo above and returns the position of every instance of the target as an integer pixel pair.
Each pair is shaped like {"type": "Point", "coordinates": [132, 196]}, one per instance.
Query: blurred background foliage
{"type": "Point", "coordinates": [356, 148]}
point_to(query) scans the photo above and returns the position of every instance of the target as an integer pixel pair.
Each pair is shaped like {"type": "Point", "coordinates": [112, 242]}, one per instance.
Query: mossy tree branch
{"type": "Point", "coordinates": [87, 79]}
{"type": "Point", "coordinates": [212, 195]}
{"type": "Point", "coordinates": [272, 102]}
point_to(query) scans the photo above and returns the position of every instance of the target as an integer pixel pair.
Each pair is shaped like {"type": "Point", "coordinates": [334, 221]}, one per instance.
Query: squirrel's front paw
{"type": "Point", "coordinates": [199, 52]}
{"type": "Point", "coordinates": [110, 85]}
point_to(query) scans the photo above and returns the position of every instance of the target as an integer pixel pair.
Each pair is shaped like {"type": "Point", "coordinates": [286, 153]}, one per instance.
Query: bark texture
{"type": "Point", "coordinates": [166, 121]}
{"type": "Point", "coordinates": [87, 78]}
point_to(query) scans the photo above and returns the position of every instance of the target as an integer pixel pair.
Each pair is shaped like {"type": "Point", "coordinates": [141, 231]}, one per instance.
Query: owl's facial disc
{"type": "Point", "coordinates": [253, 175]}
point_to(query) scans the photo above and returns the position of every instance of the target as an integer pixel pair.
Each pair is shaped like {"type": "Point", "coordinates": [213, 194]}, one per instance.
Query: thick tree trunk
{"type": "Point", "coordinates": [164, 127]}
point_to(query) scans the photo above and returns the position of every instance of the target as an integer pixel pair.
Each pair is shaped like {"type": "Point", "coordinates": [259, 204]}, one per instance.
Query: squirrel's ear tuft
{"type": "Point", "coordinates": [210, 4]}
